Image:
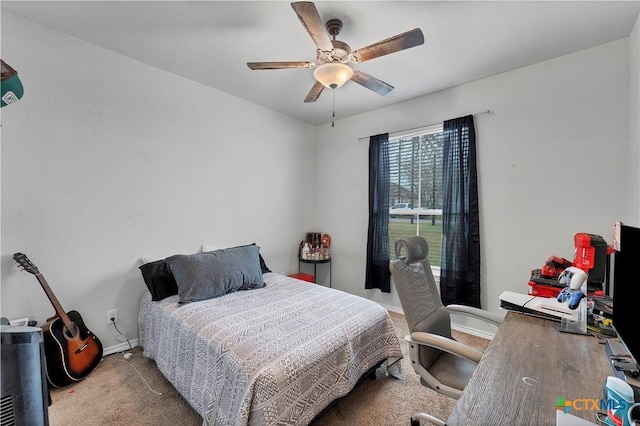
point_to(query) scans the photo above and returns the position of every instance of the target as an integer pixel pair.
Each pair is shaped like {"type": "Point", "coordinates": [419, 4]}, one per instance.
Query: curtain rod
{"type": "Point", "coordinates": [486, 111]}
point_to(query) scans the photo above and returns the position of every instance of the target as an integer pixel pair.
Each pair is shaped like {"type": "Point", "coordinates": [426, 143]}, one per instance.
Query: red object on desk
{"type": "Point", "coordinates": [542, 290]}
{"type": "Point", "coordinates": [591, 255]}
{"type": "Point", "coordinates": [303, 277]}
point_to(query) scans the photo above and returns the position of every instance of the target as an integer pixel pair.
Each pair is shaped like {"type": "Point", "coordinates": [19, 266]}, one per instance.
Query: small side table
{"type": "Point", "coordinates": [315, 264]}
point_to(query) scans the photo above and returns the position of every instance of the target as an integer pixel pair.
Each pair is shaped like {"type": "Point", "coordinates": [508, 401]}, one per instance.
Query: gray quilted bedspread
{"type": "Point", "coordinates": [273, 356]}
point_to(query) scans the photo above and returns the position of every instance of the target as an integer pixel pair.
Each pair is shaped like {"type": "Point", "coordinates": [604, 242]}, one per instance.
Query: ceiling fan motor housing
{"type": "Point", "coordinates": [339, 53]}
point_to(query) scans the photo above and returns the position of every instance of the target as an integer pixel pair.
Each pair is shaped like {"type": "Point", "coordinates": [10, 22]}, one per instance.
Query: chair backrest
{"type": "Point", "coordinates": [418, 292]}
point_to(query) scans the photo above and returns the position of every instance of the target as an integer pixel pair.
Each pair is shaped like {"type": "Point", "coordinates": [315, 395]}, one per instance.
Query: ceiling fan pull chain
{"type": "Point", "coordinates": [333, 116]}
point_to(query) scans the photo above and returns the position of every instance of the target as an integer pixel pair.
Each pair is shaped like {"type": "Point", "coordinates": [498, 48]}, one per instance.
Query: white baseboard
{"type": "Point", "coordinates": [458, 327]}
{"type": "Point", "coordinates": [392, 308]}
{"type": "Point", "coordinates": [121, 347]}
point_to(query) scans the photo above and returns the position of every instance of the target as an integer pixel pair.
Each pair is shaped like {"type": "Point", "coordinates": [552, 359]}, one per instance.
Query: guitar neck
{"type": "Point", "coordinates": [54, 300]}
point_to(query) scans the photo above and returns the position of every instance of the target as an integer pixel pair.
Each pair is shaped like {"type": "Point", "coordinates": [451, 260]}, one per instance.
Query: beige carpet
{"type": "Point", "coordinates": [115, 394]}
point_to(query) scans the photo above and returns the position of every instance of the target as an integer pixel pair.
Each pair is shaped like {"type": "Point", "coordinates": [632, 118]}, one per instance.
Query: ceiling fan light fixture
{"type": "Point", "coordinates": [333, 74]}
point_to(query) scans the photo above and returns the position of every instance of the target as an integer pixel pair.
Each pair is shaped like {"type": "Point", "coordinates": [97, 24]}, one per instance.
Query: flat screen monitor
{"type": "Point", "coordinates": [626, 287]}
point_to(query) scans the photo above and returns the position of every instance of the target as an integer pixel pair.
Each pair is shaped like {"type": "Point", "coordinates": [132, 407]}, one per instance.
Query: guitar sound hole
{"type": "Point", "coordinates": [70, 332]}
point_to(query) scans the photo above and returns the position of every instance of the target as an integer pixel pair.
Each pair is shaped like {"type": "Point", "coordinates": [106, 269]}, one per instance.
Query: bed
{"type": "Point", "coordinates": [279, 354]}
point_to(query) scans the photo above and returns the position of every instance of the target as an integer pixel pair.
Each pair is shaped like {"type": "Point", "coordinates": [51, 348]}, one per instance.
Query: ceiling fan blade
{"type": "Point", "coordinates": [310, 18]}
{"type": "Point", "coordinates": [279, 65]}
{"type": "Point", "coordinates": [314, 93]}
{"type": "Point", "coordinates": [393, 44]}
{"type": "Point", "coordinates": [371, 83]}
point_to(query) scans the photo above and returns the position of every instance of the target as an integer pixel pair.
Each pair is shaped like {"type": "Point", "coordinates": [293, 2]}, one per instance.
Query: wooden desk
{"type": "Point", "coordinates": [553, 365]}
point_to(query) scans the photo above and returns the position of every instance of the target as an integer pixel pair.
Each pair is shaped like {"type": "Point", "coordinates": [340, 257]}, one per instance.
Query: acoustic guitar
{"type": "Point", "coordinates": [71, 350]}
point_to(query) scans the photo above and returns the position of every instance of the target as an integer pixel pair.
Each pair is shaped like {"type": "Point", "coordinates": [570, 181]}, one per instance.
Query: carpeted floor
{"type": "Point", "coordinates": [116, 394]}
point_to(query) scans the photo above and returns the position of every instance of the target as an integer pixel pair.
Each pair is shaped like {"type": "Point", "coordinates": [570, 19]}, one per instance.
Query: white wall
{"type": "Point", "coordinates": [633, 176]}
{"type": "Point", "coordinates": [106, 160]}
{"type": "Point", "coordinates": [552, 162]}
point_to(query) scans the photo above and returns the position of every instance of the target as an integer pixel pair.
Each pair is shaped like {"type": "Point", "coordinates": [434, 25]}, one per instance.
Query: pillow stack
{"type": "Point", "coordinates": [203, 276]}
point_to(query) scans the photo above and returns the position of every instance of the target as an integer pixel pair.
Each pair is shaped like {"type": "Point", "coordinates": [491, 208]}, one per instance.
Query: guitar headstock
{"type": "Point", "coordinates": [24, 261]}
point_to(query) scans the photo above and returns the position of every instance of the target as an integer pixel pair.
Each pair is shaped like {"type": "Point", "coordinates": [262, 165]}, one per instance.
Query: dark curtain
{"type": "Point", "coordinates": [378, 274]}
{"type": "Point", "coordinates": [460, 263]}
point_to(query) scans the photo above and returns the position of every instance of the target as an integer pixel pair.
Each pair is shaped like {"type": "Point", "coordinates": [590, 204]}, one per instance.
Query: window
{"type": "Point", "coordinates": [415, 195]}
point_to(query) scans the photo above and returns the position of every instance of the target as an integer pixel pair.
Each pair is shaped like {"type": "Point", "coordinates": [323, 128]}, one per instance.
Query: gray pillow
{"type": "Point", "coordinates": [212, 274]}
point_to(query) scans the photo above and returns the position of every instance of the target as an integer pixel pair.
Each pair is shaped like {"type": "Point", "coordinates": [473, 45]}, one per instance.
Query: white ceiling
{"type": "Point", "coordinates": [211, 41]}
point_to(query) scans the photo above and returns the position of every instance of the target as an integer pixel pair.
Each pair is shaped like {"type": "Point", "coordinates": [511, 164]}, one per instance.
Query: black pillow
{"type": "Point", "coordinates": [263, 265]}
{"type": "Point", "coordinates": [159, 279]}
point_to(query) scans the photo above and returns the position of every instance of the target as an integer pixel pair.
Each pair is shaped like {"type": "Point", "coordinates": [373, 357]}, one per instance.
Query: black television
{"type": "Point", "coordinates": [626, 288]}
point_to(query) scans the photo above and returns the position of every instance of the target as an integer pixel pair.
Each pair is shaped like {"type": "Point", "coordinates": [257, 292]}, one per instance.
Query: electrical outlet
{"type": "Point", "coordinates": [112, 314]}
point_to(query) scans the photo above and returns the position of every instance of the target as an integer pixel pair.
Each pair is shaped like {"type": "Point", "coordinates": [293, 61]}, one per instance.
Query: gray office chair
{"type": "Point", "coordinates": [442, 363]}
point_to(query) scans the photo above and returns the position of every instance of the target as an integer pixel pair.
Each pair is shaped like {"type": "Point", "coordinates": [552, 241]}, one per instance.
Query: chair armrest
{"type": "Point", "coordinates": [445, 344]}
{"type": "Point", "coordinates": [481, 314]}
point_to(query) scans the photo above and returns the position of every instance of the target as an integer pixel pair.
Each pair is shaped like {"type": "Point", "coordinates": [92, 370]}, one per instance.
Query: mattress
{"type": "Point", "coordinates": [271, 356]}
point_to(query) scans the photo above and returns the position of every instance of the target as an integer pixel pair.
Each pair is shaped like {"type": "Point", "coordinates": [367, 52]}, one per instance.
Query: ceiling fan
{"type": "Point", "coordinates": [332, 70]}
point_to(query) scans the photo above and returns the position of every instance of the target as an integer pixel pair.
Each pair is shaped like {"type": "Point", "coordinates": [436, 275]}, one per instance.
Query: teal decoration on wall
{"type": "Point", "coordinates": [12, 89]}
